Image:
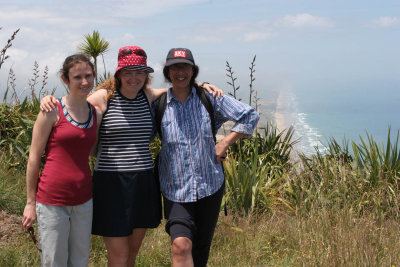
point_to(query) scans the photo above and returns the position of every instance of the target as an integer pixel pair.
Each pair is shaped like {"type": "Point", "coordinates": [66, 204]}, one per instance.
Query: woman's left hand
{"type": "Point", "coordinates": [212, 89]}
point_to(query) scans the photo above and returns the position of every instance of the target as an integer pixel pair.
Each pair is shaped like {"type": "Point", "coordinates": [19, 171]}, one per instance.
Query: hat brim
{"type": "Point", "coordinates": [136, 67]}
{"type": "Point", "coordinates": [178, 60]}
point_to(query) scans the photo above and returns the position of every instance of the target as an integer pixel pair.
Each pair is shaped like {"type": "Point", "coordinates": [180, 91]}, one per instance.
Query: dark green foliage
{"type": "Point", "coordinates": [16, 124]}
{"type": "Point", "coordinates": [254, 170]}
{"type": "Point", "coordinates": [17, 117]}
{"type": "Point", "coordinates": [367, 184]}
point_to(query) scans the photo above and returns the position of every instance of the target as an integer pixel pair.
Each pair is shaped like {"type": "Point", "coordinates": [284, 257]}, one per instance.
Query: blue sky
{"type": "Point", "coordinates": [301, 45]}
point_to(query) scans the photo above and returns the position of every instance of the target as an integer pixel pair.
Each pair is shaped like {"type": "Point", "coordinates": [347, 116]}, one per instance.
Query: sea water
{"type": "Point", "coordinates": [344, 115]}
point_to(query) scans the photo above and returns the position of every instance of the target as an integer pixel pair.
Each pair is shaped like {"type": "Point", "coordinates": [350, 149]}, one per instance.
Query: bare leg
{"type": "Point", "coordinates": [182, 252]}
{"type": "Point", "coordinates": [122, 251]}
{"type": "Point", "coordinates": [135, 241]}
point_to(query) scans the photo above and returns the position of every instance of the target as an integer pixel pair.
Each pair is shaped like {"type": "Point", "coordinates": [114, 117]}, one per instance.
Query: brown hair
{"type": "Point", "coordinates": [114, 83]}
{"type": "Point", "coordinates": [70, 61]}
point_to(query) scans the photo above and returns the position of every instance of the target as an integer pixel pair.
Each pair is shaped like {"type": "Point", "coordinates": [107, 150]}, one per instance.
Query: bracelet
{"type": "Point", "coordinates": [202, 85]}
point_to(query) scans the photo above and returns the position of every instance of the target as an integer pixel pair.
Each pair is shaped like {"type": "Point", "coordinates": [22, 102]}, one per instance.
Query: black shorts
{"type": "Point", "coordinates": [123, 201]}
{"type": "Point", "coordinates": [194, 220]}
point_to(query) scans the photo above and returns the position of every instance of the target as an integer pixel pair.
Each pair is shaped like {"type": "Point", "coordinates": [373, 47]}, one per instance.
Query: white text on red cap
{"type": "Point", "coordinates": [180, 53]}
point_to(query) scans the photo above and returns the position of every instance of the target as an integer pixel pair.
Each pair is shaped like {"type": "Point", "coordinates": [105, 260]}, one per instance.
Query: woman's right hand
{"type": "Point", "coordinates": [47, 103]}
{"type": "Point", "coordinates": [29, 215]}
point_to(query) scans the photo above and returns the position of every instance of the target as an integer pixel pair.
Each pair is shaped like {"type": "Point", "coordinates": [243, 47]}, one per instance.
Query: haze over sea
{"type": "Point", "coordinates": [321, 114]}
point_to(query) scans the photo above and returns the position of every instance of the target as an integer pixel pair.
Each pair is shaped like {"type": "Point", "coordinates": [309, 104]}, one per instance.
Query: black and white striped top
{"type": "Point", "coordinates": [124, 135]}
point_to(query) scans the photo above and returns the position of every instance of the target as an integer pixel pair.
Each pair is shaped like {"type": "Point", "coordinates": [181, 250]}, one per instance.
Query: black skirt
{"type": "Point", "coordinates": [123, 201]}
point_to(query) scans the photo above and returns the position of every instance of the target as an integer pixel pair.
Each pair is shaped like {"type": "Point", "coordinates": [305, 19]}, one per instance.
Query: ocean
{"type": "Point", "coordinates": [318, 116]}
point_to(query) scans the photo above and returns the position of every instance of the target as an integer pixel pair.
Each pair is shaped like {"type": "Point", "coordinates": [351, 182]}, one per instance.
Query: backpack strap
{"type": "Point", "coordinates": [161, 104]}
{"type": "Point", "coordinates": [205, 100]}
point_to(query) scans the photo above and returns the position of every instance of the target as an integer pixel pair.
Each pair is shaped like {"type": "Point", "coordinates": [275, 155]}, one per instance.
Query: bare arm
{"type": "Point", "coordinates": [48, 103]}
{"type": "Point", "coordinates": [152, 93]}
{"type": "Point", "coordinates": [98, 100]}
{"type": "Point", "coordinates": [41, 132]}
{"type": "Point", "coordinates": [223, 145]}
{"type": "Point", "coordinates": [99, 115]}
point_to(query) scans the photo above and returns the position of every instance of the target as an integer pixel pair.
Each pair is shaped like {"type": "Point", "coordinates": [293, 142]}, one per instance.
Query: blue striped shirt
{"type": "Point", "coordinates": [188, 168]}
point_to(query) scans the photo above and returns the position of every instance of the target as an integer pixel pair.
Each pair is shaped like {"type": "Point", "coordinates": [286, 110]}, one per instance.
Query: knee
{"type": "Point", "coordinates": [117, 256]}
{"type": "Point", "coordinates": [182, 247]}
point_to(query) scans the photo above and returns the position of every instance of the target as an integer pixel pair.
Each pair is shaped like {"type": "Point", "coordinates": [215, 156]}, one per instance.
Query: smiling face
{"type": "Point", "coordinates": [180, 75]}
{"type": "Point", "coordinates": [131, 81]}
{"type": "Point", "coordinates": [80, 79]}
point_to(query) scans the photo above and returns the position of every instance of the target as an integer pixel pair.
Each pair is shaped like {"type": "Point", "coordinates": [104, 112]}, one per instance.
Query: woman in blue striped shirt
{"type": "Point", "coordinates": [191, 176]}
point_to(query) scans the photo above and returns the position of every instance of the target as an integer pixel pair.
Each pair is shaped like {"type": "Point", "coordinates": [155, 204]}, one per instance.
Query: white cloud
{"type": "Point", "coordinates": [158, 67]}
{"type": "Point", "coordinates": [304, 20]}
{"type": "Point", "coordinates": [50, 17]}
{"type": "Point", "coordinates": [74, 14]}
{"type": "Point", "coordinates": [237, 31]}
{"type": "Point", "coordinates": [250, 31]}
{"type": "Point", "coordinates": [17, 54]}
{"type": "Point", "coordinates": [386, 22]}
{"type": "Point", "coordinates": [257, 36]}
{"type": "Point", "coordinates": [140, 8]}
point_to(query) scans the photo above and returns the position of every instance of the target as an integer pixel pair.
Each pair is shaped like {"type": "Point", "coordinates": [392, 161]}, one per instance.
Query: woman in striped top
{"type": "Point", "coordinates": [126, 199]}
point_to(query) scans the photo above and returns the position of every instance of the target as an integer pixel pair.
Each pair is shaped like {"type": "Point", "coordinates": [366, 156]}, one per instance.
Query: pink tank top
{"type": "Point", "coordinates": [66, 178]}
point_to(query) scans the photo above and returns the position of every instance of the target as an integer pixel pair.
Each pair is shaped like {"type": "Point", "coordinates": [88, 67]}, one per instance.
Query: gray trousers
{"type": "Point", "coordinates": [64, 234]}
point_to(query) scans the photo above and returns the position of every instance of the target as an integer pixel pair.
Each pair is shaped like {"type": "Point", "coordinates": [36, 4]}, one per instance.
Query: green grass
{"type": "Point", "coordinates": [322, 211]}
{"type": "Point", "coordinates": [12, 189]}
{"type": "Point", "coordinates": [322, 238]}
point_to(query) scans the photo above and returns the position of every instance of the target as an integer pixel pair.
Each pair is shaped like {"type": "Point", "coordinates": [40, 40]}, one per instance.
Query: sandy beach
{"type": "Point", "coordinates": [280, 117]}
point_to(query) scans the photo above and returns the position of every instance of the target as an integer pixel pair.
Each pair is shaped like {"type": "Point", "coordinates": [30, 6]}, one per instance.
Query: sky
{"type": "Point", "coordinates": [300, 45]}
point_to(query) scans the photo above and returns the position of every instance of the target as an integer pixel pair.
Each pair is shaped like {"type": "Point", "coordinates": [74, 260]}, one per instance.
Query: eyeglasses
{"type": "Point", "coordinates": [31, 232]}
{"type": "Point", "coordinates": [137, 52]}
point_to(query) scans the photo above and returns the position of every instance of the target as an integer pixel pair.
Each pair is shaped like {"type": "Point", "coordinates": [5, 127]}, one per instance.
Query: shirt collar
{"type": "Point", "coordinates": [171, 96]}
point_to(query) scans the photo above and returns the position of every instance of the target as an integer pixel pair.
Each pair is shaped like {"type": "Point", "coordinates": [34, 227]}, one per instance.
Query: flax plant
{"type": "Point", "coordinates": [230, 74]}
{"type": "Point", "coordinates": [17, 117]}
{"type": "Point", "coordinates": [367, 184]}
{"type": "Point", "coordinates": [254, 171]}
{"type": "Point", "coordinates": [382, 160]}
{"type": "Point", "coordinates": [3, 51]}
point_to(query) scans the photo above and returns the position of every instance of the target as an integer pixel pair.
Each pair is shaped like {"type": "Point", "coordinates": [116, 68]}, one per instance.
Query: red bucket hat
{"type": "Point", "coordinates": [132, 58]}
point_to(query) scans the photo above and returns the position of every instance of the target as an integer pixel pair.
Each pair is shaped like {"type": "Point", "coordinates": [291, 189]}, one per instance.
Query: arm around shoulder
{"type": "Point", "coordinates": [153, 94]}
{"type": "Point", "coordinates": [99, 117]}
{"type": "Point", "coordinates": [99, 100]}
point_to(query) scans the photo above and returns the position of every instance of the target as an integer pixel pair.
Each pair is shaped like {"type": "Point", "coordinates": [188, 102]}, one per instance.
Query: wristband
{"type": "Point", "coordinates": [202, 85]}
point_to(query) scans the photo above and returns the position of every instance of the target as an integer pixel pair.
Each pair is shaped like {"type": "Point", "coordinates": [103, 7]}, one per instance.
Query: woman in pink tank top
{"type": "Point", "coordinates": [60, 198]}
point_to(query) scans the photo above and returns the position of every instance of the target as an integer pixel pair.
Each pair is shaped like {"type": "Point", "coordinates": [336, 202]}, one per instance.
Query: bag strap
{"type": "Point", "coordinates": [161, 104]}
{"type": "Point", "coordinates": [205, 100]}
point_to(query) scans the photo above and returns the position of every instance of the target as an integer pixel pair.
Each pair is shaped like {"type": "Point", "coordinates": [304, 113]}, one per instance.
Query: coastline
{"type": "Point", "coordinates": [280, 117]}
{"type": "Point", "coordinates": [283, 119]}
